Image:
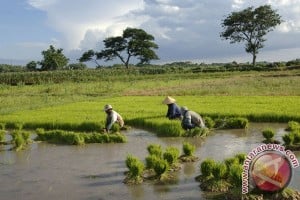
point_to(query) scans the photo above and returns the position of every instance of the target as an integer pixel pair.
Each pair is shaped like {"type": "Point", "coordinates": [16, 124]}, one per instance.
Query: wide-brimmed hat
{"type": "Point", "coordinates": [107, 107]}
{"type": "Point", "coordinates": [168, 100]}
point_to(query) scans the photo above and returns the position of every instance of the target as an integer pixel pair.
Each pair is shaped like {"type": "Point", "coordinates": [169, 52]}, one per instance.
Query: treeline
{"type": "Point", "coordinates": [18, 75]}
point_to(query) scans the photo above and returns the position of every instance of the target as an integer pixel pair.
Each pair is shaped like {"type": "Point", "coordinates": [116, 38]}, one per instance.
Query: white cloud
{"type": "Point", "coordinates": [183, 29]}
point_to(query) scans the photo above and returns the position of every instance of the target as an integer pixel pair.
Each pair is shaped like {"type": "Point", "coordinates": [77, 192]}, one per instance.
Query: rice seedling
{"type": "Point", "coordinates": [161, 166]}
{"type": "Point", "coordinates": [150, 161]}
{"type": "Point", "coordinates": [136, 168]}
{"type": "Point", "coordinates": [288, 139]}
{"type": "Point", "coordinates": [235, 175]}
{"type": "Point", "coordinates": [219, 171]}
{"type": "Point", "coordinates": [293, 126]}
{"type": "Point", "coordinates": [206, 168]}
{"type": "Point", "coordinates": [2, 136]}
{"type": "Point", "coordinates": [154, 149]}
{"type": "Point", "coordinates": [209, 122]}
{"type": "Point", "coordinates": [75, 138]}
{"type": "Point", "coordinates": [171, 155]}
{"type": "Point", "coordinates": [2, 126]}
{"type": "Point", "coordinates": [269, 136]}
{"type": "Point", "coordinates": [188, 149]}
{"type": "Point", "coordinates": [18, 140]}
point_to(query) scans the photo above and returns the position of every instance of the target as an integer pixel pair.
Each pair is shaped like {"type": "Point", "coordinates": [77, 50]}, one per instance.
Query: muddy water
{"type": "Point", "coordinates": [96, 171]}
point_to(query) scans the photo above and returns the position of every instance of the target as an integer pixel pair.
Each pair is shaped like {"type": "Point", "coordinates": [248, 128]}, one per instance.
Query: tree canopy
{"type": "Point", "coordinates": [133, 43]}
{"type": "Point", "coordinates": [54, 59]}
{"type": "Point", "coordinates": [250, 25]}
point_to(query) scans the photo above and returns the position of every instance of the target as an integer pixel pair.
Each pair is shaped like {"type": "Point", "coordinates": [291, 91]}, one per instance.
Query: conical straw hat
{"type": "Point", "coordinates": [168, 100]}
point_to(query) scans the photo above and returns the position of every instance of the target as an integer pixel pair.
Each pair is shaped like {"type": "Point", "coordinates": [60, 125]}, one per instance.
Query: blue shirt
{"type": "Point", "coordinates": [173, 111]}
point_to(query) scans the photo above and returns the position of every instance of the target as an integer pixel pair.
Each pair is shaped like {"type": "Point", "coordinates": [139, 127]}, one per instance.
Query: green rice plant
{"type": "Point", "coordinates": [235, 175]}
{"type": "Point", "coordinates": [206, 167]}
{"type": "Point", "coordinates": [237, 122]}
{"type": "Point", "coordinates": [241, 157]}
{"type": "Point", "coordinates": [209, 123]}
{"type": "Point", "coordinates": [268, 134]}
{"type": "Point", "coordinates": [136, 168]}
{"type": "Point", "coordinates": [115, 128]}
{"type": "Point", "coordinates": [17, 140]}
{"type": "Point", "coordinates": [161, 166]}
{"type": "Point", "coordinates": [154, 149]}
{"type": "Point", "coordinates": [2, 126]}
{"type": "Point", "coordinates": [26, 136]}
{"type": "Point", "coordinates": [288, 139]}
{"type": "Point", "coordinates": [231, 161]}
{"type": "Point", "coordinates": [188, 149]}
{"type": "Point", "coordinates": [130, 159]}
{"type": "Point", "coordinates": [151, 160]}
{"type": "Point", "coordinates": [2, 135]}
{"type": "Point", "coordinates": [293, 126]}
{"type": "Point", "coordinates": [117, 138]}
{"type": "Point", "coordinates": [219, 170]}
{"type": "Point", "coordinates": [171, 155]}
{"type": "Point", "coordinates": [296, 137]}
{"type": "Point", "coordinates": [14, 125]}
{"type": "Point", "coordinates": [78, 139]}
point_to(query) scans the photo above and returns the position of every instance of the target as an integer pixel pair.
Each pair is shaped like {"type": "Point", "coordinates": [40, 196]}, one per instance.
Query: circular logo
{"type": "Point", "coordinates": [271, 171]}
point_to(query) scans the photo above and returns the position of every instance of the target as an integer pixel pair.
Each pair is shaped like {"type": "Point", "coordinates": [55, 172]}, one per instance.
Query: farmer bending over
{"type": "Point", "coordinates": [173, 109]}
{"type": "Point", "coordinates": [111, 118]}
{"type": "Point", "coordinates": [191, 119]}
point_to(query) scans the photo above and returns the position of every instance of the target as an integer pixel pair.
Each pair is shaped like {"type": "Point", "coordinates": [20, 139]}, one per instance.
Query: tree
{"type": "Point", "coordinates": [31, 66]}
{"type": "Point", "coordinates": [133, 43]}
{"type": "Point", "coordinates": [88, 56]}
{"type": "Point", "coordinates": [77, 66]}
{"type": "Point", "coordinates": [54, 59]}
{"type": "Point", "coordinates": [250, 25]}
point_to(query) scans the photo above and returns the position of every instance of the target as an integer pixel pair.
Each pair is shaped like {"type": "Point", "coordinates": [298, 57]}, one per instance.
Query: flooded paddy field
{"type": "Point", "coordinates": [96, 171]}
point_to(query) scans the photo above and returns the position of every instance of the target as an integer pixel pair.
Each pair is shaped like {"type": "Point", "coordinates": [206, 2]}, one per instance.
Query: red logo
{"type": "Point", "coordinates": [271, 171]}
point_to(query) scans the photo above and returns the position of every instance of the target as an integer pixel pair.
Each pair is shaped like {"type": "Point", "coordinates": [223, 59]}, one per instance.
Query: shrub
{"type": "Point", "coordinates": [171, 155]}
{"type": "Point", "coordinates": [154, 149]}
{"type": "Point", "coordinates": [219, 171]}
{"type": "Point", "coordinates": [188, 149]}
{"type": "Point", "coordinates": [207, 166]}
{"type": "Point", "coordinates": [288, 139]}
{"type": "Point", "coordinates": [268, 133]}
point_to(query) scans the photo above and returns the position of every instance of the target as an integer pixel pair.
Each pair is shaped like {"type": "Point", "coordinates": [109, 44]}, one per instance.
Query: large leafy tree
{"type": "Point", "coordinates": [250, 25]}
{"type": "Point", "coordinates": [133, 43]}
{"type": "Point", "coordinates": [54, 59]}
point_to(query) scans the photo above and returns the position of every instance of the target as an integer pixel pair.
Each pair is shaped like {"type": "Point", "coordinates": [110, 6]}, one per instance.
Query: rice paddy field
{"type": "Point", "coordinates": [258, 96]}
{"type": "Point", "coordinates": [73, 101]}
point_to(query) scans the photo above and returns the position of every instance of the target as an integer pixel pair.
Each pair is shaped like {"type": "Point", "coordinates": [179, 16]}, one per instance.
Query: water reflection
{"type": "Point", "coordinates": [96, 171]}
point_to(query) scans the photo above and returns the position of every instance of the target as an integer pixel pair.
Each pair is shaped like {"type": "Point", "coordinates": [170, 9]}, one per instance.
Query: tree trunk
{"type": "Point", "coordinates": [253, 59]}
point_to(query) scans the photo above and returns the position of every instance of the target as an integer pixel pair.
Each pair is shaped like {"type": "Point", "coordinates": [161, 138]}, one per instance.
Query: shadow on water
{"type": "Point", "coordinates": [96, 171]}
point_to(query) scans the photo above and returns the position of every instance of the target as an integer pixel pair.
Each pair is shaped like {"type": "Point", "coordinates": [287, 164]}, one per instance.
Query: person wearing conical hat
{"type": "Point", "coordinates": [191, 119]}
{"type": "Point", "coordinates": [112, 117]}
{"type": "Point", "coordinates": [173, 108]}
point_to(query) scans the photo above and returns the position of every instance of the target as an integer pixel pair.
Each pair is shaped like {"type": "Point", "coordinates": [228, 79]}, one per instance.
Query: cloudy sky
{"type": "Point", "coordinates": [185, 30]}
